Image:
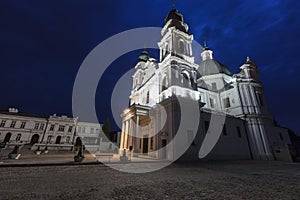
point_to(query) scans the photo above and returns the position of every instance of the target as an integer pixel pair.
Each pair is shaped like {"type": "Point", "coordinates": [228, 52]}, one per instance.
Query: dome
{"type": "Point", "coordinates": [175, 19]}
{"type": "Point", "coordinates": [211, 66]}
{"type": "Point", "coordinates": [174, 14]}
{"type": "Point", "coordinates": [144, 56]}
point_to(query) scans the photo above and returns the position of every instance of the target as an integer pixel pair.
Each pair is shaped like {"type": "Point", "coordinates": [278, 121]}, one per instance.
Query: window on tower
{"type": "Point", "coordinates": [226, 102]}
{"type": "Point", "coordinates": [212, 102]}
{"type": "Point", "coordinates": [164, 84]}
{"type": "Point", "coordinates": [148, 97]}
{"type": "Point", "coordinates": [214, 86]}
{"type": "Point", "coordinates": [181, 48]}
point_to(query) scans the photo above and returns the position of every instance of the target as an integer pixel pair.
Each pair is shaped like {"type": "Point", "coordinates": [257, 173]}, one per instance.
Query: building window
{"type": "Point", "coordinates": [61, 128]}
{"type": "Point", "coordinates": [52, 127]}
{"type": "Point", "coordinates": [2, 123]}
{"type": "Point", "coordinates": [239, 131]}
{"type": "Point", "coordinates": [68, 139]}
{"type": "Point", "coordinates": [18, 138]}
{"type": "Point", "coordinates": [206, 126]}
{"type": "Point", "coordinates": [226, 102]}
{"type": "Point", "coordinates": [83, 129]}
{"type": "Point", "coordinates": [213, 86]}
{"type": "Point", "coordinates": [42, 126]}
{"type": "Point", "coordinates": [36, 126]}
{"type": "Point", "coordinates": [181, 47]}
{"type": "Point", "coordinates": [23, 125]}
{"type": "Point", "coordinates": [49, 139]}
{"type": "Point", "coordinates": [212, 102]}
{"type": "Point", "coordinates": [224, 131]}
{"type": "Point", "coordinates": [70, 129]}
{"type": "Point", "coordinates": [79, 129]}
{"type": "Point", "coordinates": [164, 84]}
{"type": "Point", "coordinates": [92, 130]}
{"type": "Point", "coordinates": [148, 97]}
{"type": "Point", "coordinates": [13, 124]}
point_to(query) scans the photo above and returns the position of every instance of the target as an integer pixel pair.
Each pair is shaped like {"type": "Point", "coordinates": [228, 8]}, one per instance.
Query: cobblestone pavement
{"type": "Point", "coordinates": [209, 180]}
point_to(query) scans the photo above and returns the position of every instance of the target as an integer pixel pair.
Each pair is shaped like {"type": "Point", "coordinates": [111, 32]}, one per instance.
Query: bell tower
{"type": "Point", "coordinates": [176, 40]}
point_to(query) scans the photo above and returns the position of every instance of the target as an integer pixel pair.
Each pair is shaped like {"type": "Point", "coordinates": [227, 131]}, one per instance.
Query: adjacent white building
{"type": "Point", "coordinates": [249, 131]}
{"type": "Point", "coordinates": [16, 127]}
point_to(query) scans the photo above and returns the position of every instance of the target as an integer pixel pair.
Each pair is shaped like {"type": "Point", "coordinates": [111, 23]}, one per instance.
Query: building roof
{"type": "Point", "coordinates": [5, 112]}
{"type": "Point", "coordinates": [211, 66]}
{"type": "Point", "coordinates": [144, 56]}
{"type": "Point", "coordinates": [175, 19]}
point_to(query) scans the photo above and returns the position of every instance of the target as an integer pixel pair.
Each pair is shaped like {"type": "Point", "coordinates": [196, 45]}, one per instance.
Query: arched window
{"type": "Point", "coordinates": [58, 139]}
{"type": "Point", "coordinates": [148, 97]}
{"type": "Point", "coordinates": [166, 50]}
{"type": "Point", "coordinates": [7, 137]}
{"type": "Point", "coordinates": [185, 79]}
{"type": "Point", "coordinates": [68, 139]}
{"type": "Point", "coordinates": [164, 84]}
{"type": "Point", "coordinates": [181, 48]}
{"type": "Point", "coordinates": [18, 138]}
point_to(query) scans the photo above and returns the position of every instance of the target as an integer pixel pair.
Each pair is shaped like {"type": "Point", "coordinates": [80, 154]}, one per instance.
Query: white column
{"type": "Point", "coordinates": [122, 136]}
{"type": "Point", "coordinates": [135, 145]}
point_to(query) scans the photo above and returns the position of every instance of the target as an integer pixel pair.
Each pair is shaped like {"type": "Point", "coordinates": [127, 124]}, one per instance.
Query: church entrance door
{"type": "Point", "coordinates": [145, 144]}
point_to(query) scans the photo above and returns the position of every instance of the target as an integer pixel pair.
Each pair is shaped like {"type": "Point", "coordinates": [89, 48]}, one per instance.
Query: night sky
{"type": "Point", "coordinates": [43, 43]}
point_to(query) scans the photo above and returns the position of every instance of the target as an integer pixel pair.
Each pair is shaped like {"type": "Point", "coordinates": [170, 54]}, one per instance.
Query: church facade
{"type": "Point", "coordinates": [249, 131]}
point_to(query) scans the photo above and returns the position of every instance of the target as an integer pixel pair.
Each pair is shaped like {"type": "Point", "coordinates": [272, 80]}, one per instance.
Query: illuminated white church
{"type": "Point", "coordinates": [250, 132]}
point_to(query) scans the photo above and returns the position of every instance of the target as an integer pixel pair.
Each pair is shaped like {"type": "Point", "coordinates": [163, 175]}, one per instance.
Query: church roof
{"type": "Point", "coordinates": [174, 14]}
{"type": "Point", "coordinates": [211, 66]}
{"type": "Point", "coordinates": [144, 56]}
{"type": "Point", "coordinates": [175, 19]}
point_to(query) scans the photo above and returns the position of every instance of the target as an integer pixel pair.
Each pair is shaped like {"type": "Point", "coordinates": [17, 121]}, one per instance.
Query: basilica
{"type": "Point", "coordinates": [248, 131]}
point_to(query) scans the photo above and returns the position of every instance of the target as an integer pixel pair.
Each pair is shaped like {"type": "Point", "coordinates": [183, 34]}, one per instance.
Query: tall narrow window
{"type": "Point", "coordinates": [2, 123]}
{"type": "Point", "coordinates": [13, 124]}
{"type": "Point", "coordinates": [49, 139]}
{"type": "Point", "coordinates": [214, 86]}
{"type": "Point", "coordinates": [68, 139]}
{"type": "Point", "coordinates": [181, 48]}
{"type": "Point", "coordinates": [70, 129]}
{"type": "Point", "coordinates": [164, 84]}
{"type": "Point", "coordinates": [23, 125]}
{"type": "Point", "coordinates": [226, 102]}
{"type": "Point", "coordinates": [42, 126]}
{"type": "Point", "coordinates": [18, 138]}
{"type": "Point", "coordinates": [52, 127]}
{"type": "Point", "coordinates": [36, 126]}
{"type": "Point", "coordinates": [148, 97]}
{"type": "Point", "coordinates": [212, 102]}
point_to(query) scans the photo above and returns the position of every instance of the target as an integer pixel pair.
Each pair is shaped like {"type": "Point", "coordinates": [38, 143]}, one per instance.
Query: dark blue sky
{"type": "Point", "coordinates": [43, 43]}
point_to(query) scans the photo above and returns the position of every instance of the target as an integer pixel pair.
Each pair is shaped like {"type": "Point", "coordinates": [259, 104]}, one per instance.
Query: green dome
{"type": "Point", "coordinates": [211, 66]}
{"type": "Point", "coordinates": [144, 56]}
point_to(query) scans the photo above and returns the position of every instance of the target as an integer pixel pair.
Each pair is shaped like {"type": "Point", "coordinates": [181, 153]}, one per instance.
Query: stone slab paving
{"type": "Point", "coordinates": [206, 180]}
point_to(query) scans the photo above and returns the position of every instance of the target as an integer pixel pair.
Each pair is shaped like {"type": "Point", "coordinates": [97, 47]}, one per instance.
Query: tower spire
{"type": "Point", "coordinates": [173, 4]}
{"type": "Point", "coordinates": [204, 43]}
